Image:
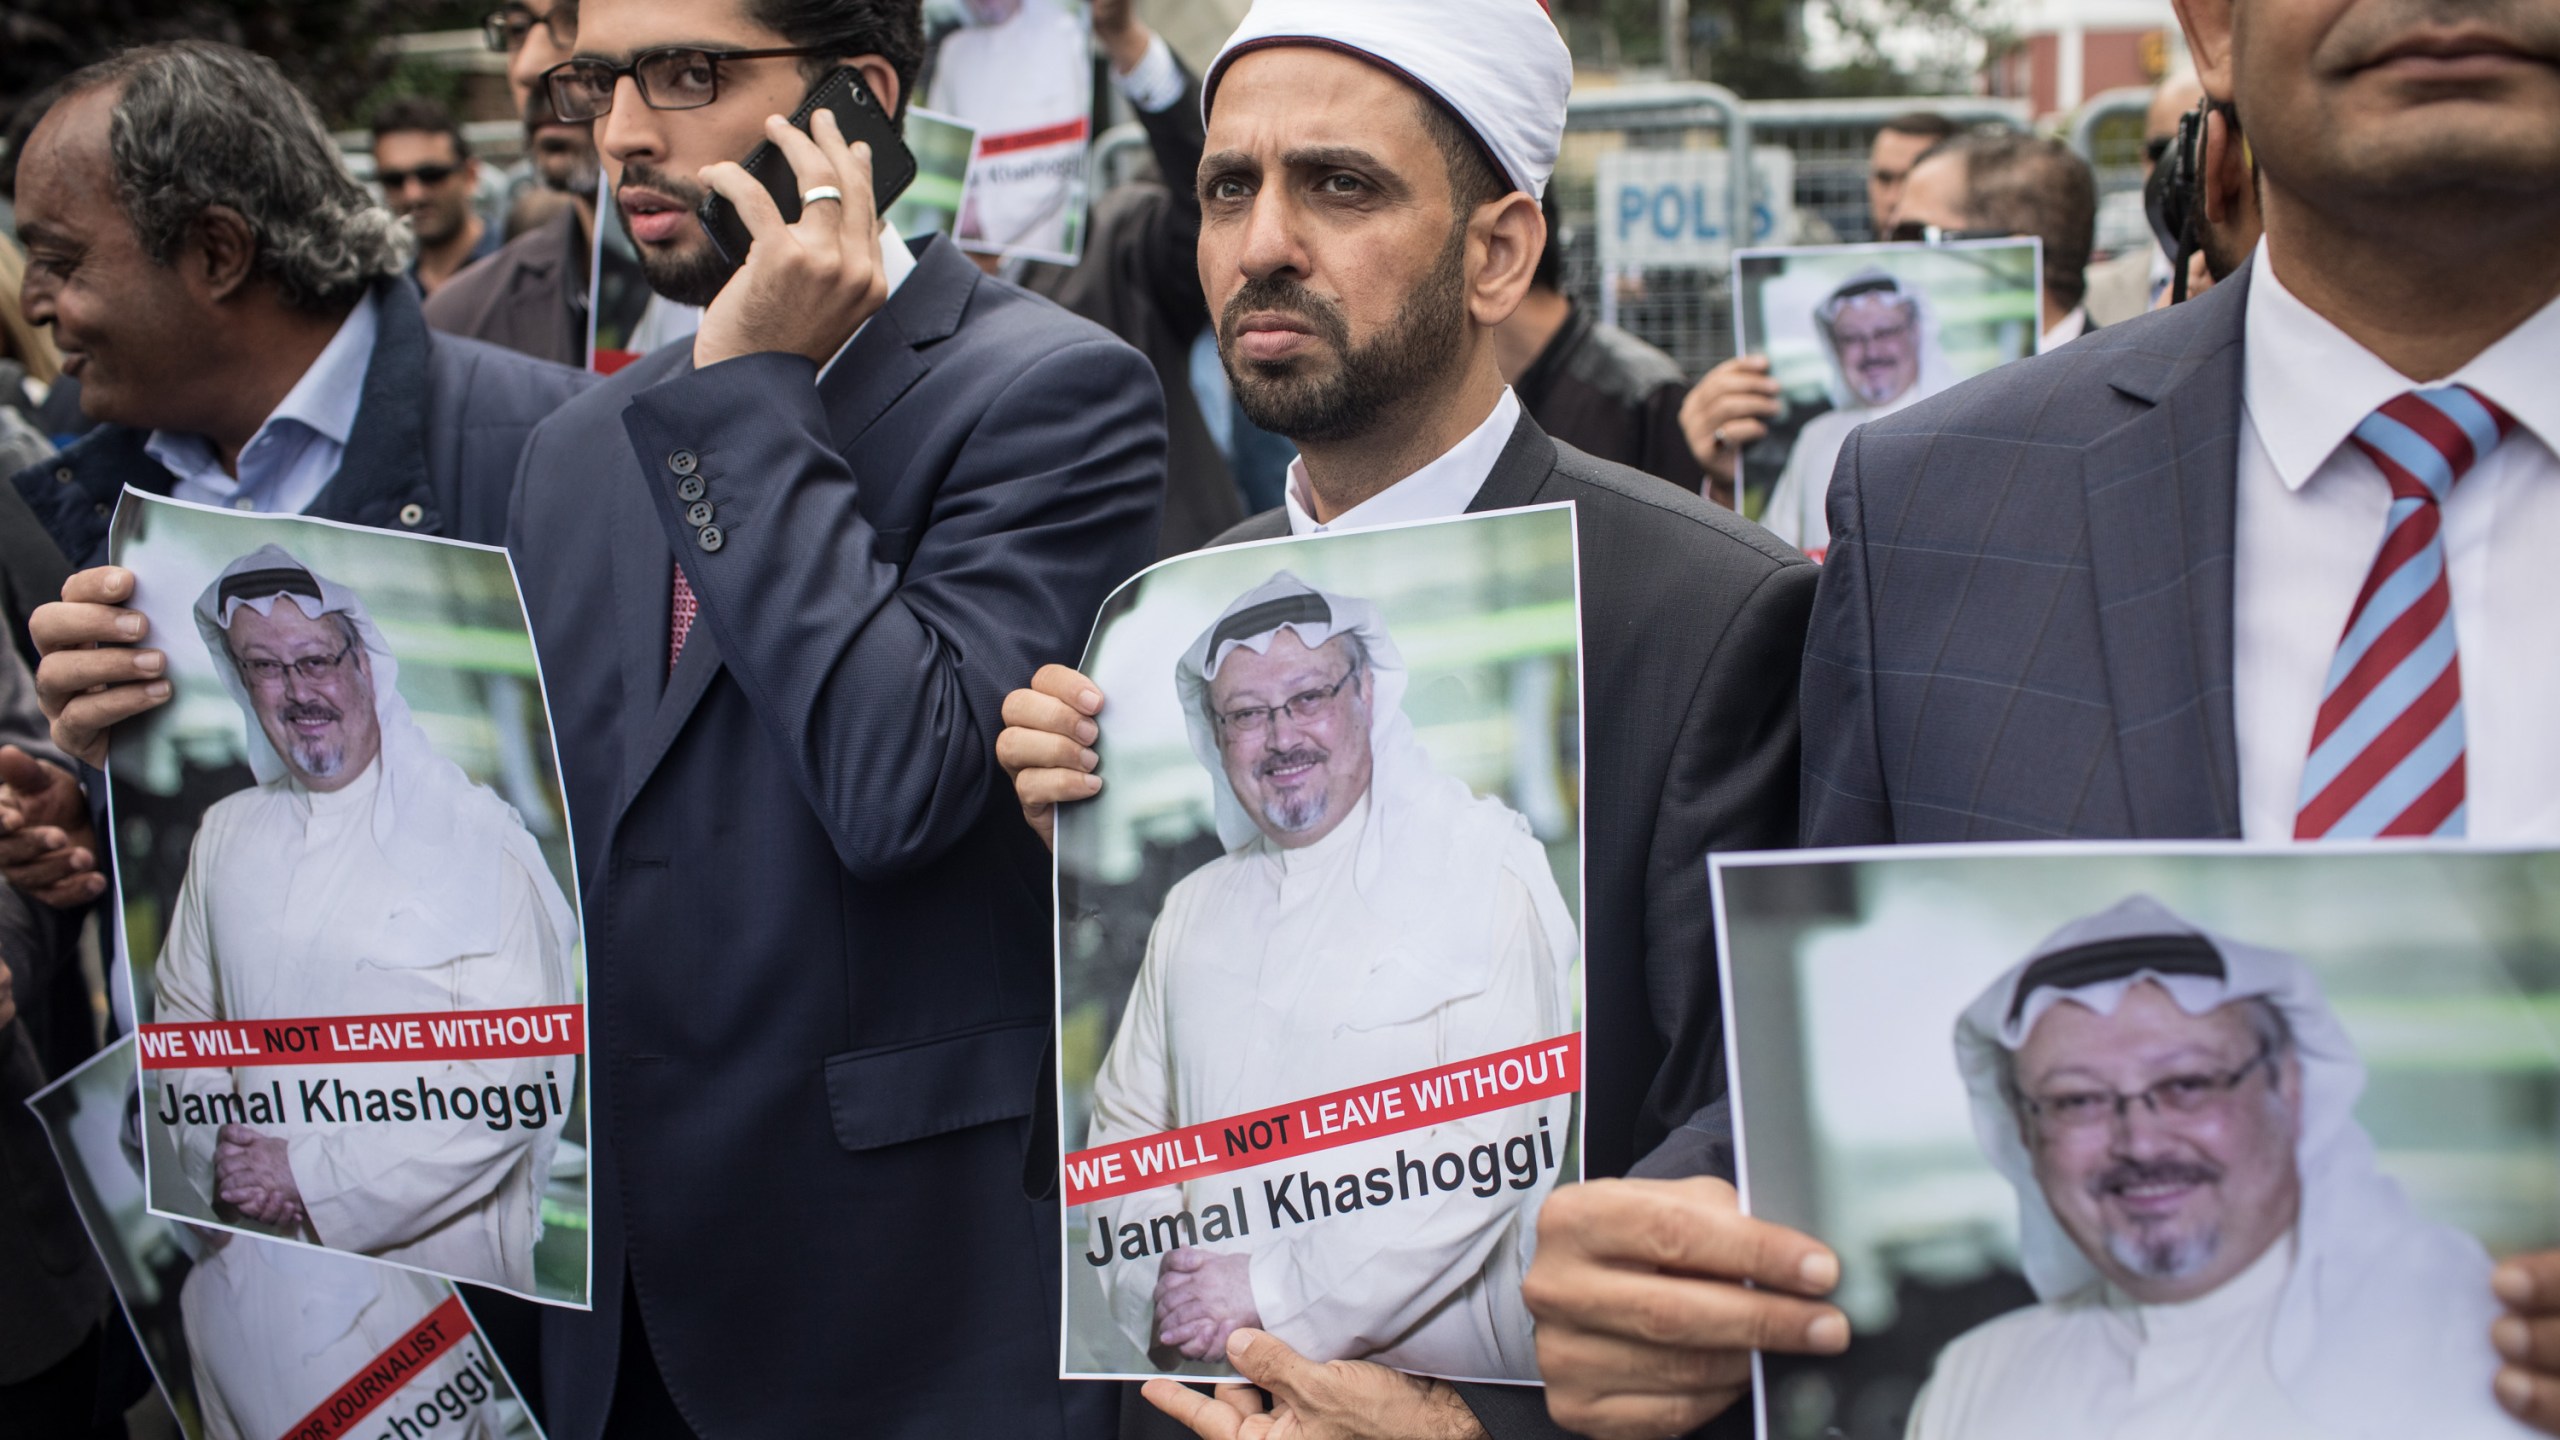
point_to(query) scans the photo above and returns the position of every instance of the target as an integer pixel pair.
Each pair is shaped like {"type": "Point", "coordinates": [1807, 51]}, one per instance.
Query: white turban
{"type": "Point", "coordinates": [433, 822]}
{"type": "Point", "coordinates": [1499, 65]}
{"type": "Point", "coordinates": [2361, 1251]}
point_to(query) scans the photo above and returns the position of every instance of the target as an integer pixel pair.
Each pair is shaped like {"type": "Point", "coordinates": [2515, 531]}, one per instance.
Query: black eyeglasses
{"type": "Point", "coordinates": [677, 77]}
{"type": "Point", "coordinates": [312, 669]}
{"type": "Point", "coordinates": [2156, 149]}
{"type": "Point", "coordinates": [430, 176]}
{"type": "Point", "coordinates": [506, 29]}
{"type": "Point", "coordinates": [1911, 230]}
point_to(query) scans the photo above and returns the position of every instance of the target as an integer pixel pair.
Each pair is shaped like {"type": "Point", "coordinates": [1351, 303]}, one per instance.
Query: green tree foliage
{"type": "Point", "coordinates": [331, 48]}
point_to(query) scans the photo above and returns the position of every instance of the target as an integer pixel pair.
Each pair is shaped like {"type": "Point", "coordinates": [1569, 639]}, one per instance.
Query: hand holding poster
{"type": "Point", "coordinates": [356, 964]}
{"type": "Point", "coordinates": [1318, 950]}
{"type": "Point", "coordinates": [255, 1340]}
{"type": "Point", "coordinates": [2148, 1140]}
{"type": "Point", "coordinates": [1854, 332]}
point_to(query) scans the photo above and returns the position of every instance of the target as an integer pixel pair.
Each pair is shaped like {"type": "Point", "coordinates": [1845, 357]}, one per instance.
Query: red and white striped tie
{"type": "Point", "coordinates": [2387, 752]}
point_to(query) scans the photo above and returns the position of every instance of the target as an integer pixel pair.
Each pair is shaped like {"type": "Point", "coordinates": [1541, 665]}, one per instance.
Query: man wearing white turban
{"type": "Point", "coordinates": [1371, 917]}
{"type": "Point", "coordinates": [1369, 218]}
{"type": "Point", "coordinates": [1884, 355]}
{"type": "Point", "coordinates": [2213, 1247]}
{"type": "Point", "coordinates": [364, 874]}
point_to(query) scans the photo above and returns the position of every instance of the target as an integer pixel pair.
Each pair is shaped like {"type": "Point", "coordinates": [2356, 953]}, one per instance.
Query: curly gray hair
{"type": "Point", "coordinates": [199, 124]}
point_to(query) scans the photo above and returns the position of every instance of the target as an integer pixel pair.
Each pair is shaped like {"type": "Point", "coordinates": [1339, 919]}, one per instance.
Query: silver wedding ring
{"type": "Point", "coordinates": [816, 193]}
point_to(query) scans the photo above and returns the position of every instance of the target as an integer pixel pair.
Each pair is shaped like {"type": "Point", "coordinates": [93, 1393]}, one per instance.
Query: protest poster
{"type": "Point", "coordinates": [942, 146]}
{"type": "Point", "coordinates": [1019, 72]}
{"type": "Point", "coordinates": [2161, 1139]}
{"type": "Point", "coordinates": [1318, 946]}
{"type": "Point", "coordinates": [251, 1339]}
{"type": "Point", "coordinates": [1854, 332]}
{"type": "Point", "coordinates": [350, 911]}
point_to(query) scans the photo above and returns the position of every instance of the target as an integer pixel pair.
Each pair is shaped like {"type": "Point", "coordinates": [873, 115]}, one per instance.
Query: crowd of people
{"type": "Point", "coordinates": [809, 572]}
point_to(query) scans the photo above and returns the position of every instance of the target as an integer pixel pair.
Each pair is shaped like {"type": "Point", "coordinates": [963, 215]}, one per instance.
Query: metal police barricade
{"type": "Point", "coordinates": [1651, 204]}
{"type": "Point", "coordinates": [2108, 134]}
{"type": "Point", "coordinates": [1119, 156]}
{"type": "Point", "coordinates": [1828, 141]}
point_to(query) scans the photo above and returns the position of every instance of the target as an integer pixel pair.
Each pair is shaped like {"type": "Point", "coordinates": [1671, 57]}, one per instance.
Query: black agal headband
{"type": "Point", "coordinates": [2100, 961]}
{"type": "Point", "coordinates": [259, 584]}
{"type": "Point", "coordinates": [1270, 615]}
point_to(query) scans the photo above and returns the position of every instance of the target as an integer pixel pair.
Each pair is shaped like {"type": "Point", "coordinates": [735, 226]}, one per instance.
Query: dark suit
{"type": "Point", "coordinates": [2024, 630]}
{"type": "Point", "coordinates": [433, 451]}
{"type": "Point", "coordinates": [818, 931]}
{"type": "Point", "coordinates": [1693, 620]}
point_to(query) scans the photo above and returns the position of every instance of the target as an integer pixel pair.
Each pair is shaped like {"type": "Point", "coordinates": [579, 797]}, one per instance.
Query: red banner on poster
{"type": "Point", "coordinates": [1454, 1091]}
{"type": "Point", "coordinates": [426, 1341]}
{"type": "Point", "coordinates": [346, 1039]}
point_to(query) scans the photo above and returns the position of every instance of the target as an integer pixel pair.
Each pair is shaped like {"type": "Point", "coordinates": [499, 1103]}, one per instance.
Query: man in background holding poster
{"type": "Point", "coordinates": [2200, 1212]}
{"type": "Point", "coordinates": [366, 874]}
{"type": "Point", "coordinates": [1371, 917]}
{"type": "Point", "coordinates": [1356, 301]}
{"type": "Point", "coordinates": [1020, 71]}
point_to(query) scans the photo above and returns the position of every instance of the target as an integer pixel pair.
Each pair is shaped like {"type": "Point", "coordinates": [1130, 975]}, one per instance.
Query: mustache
{"type": "Point", "coordinates": [1280, 760]}
{"type": "Point", "coordinates": [650, 177]}
{"type": "Point", "coordinates": [2126, 1174]}
{"type": "Point", "coordinates": [1286, 297]}
{"type": "Point", "coordinates": [293, 710]}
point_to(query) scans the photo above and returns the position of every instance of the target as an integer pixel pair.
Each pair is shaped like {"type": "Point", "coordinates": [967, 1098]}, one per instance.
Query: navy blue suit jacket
{"type": "Point", "coordinates": [2023, 630]}
{"type": "Point", "coordinates": [434, 448]}
{"type": "Point", "coordinates": [818, 932]}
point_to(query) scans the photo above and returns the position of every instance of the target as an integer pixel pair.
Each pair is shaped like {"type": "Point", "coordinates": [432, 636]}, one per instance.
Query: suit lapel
{"type": "Point", "coordinates": [1519, 472]}
{"type": "Point", "coordinates": [2162, 491]}
{"type": "Point", "coordinates": [882, 364]}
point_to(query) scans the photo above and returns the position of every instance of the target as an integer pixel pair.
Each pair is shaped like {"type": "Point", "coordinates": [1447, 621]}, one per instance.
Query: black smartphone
{"type": "Point", "coordinates": [859, 117]}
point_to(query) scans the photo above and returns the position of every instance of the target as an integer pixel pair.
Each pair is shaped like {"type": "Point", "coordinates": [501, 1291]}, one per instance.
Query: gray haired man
{"type": "Point", "coordinates": [231, 301]}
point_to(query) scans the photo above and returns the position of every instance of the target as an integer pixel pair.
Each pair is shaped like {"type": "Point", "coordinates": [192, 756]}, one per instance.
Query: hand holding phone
{"type": "Point", "coordinates": [808, 284]}
{"type": "Point", "coordinates": [859, 118]}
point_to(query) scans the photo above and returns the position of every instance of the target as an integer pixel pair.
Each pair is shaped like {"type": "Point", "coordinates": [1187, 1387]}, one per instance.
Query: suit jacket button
{"type": "Point", "coordinates": [683, 463]}
{"type": "Point", "coordinates": [689, 488]}
{"type": "Point", "coordinates": [64, 475]}
{"type": "Point", "coordinates": [709, 539]}
{"type": "Point", "coordinates": [412, 513]}
{"type": "Point", "coordinates": [699, 515]}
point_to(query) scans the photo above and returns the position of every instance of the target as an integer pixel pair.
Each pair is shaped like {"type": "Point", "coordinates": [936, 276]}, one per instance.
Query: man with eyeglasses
{"type": "Point", "coordinates": [535, 294]}
{"type": "Point", "coordinates": [428, 177]}
{"type": "Point", "coordinates": [364, 874]}
{"type": "Point", "coordinates": [2212, 1246]}
{"type": "Point", "coordinates": [786, 570]}
{"type": "Point", "coordinates": [1988, 184]}
{"type": "Point", "coordinates": [1350, 862]}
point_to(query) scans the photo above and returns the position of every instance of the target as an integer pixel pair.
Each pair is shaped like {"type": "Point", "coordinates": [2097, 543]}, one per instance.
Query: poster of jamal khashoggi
{"type": "Point", "coordinates": [259, 1339]}
{"type": "Point", "coordinates": [1319, 951]}
{"type": "Point", "coordinates": [350, 911]}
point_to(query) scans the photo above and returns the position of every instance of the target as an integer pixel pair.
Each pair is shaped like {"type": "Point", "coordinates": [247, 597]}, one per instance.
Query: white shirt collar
{"type": "Point", "coordinates": [324, 400]}
{"type": "Point", "coordinates": [2070, 327]}
{"type": "Point", "coordinates": [897, 263]}
{"type": "Point", "coordinates": [2307, 384]}
{"type": "Point", "coordinates": [1442, 488]}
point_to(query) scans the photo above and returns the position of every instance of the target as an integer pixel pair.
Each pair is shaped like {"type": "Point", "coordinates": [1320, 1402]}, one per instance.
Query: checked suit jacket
{"type": "Point", "coordinates": [2024, 626]}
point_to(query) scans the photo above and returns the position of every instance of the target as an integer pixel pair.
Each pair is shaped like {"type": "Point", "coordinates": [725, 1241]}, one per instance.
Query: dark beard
{"type": "Point", "coordinates": [1373, 379]}
{"type": "Point", "coordinates": [692, 277]}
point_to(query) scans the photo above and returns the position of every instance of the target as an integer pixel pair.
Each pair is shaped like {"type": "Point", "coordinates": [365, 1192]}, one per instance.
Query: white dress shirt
{"type": "Point", "coordinates": [2073, 325]}
{"type": "Point", "coordinates": [2310, 518]}
{"type": "Point", "coordinates": [295, 452]}
{"type": "Point", "coordinates": [1440, 489]}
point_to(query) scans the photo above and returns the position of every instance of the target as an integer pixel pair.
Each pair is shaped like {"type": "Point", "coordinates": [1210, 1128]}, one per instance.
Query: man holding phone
{"type": "Point", "coordinates": [782, 575]}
